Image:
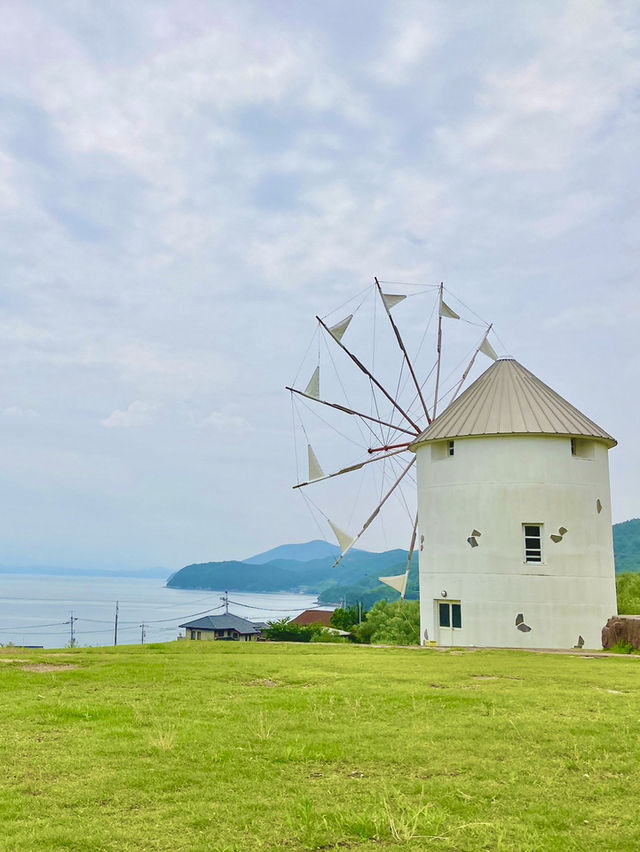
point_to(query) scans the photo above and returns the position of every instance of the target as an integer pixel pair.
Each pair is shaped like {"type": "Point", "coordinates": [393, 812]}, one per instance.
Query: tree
{"type": "Point", "coordinates": [347, 619]}
{"type": "Point", "coordinates": [396, 623]}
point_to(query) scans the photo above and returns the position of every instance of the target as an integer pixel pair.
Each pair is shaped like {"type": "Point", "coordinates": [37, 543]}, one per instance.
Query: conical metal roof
{"type": "Point", "coordinates": [509, 400]}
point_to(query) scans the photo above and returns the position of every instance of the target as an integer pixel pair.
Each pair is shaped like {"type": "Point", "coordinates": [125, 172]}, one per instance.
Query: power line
{"type": "Point", "coordinates": [35, 626]}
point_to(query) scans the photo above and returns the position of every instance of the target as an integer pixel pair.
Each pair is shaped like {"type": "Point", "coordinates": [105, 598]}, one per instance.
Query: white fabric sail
{"type": "Point", "coordinates": [315, 471]}
{"type": "Point", "coordinates": [339, 328]}
{"type": "Point", "coordinates": [391, 300]}
{"type": "Point", "coordinates": [344, 539]}
{"type": "Point", "coordinates": [488, 350]}
{"type": "Point", "coordinates": [313, 388]}
{"type": "Point", "coordinates": [397, 582]}
{"type": "Point", "coordinates": [446, 311]}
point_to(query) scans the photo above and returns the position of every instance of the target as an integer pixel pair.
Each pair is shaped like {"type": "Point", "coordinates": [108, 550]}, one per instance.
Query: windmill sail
{"type": "Point", "coordinates": [344, 539]}
{"type": "Point", "coordinates": [397, 582]}
{"type": "Point", "coordinates": [339, 328]}
{"type": "Point", "coordinates": [391, 300]}
{"type": "Point", "coordinates": [315, 471]}
{"type": "Point", "coordinates": [487, 349]}
{"type": "Point", "coordinates": [446, 311]}
{"type": "Point", "coordinates": [313, 388]}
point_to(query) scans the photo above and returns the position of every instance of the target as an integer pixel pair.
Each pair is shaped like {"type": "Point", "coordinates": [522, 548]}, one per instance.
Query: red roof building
{"type": "Point", "coordinates": [313, 616]}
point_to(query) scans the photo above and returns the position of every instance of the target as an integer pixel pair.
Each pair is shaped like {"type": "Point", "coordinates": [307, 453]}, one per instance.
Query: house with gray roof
{"type": "Point", "coordinates": [227, 628]}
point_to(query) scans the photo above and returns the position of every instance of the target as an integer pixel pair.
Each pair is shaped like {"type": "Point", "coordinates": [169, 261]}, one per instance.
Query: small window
{"type": "Point", "coordinates": [441, 450]}
{"type": "Point", "coordinates": [192, 634]}
{"type": "Point", "coordinates": [199, 634]}
{"type": "Point", "coordinates": [532, 542]}
{"type": "Point", "coordinates": [449, 614]}
{"type": "Point", "coordinates": [581, 448]}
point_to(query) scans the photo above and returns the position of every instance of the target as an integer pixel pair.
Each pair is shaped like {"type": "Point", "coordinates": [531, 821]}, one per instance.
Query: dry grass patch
{"type": "Point", "coordinates": [48, 667]}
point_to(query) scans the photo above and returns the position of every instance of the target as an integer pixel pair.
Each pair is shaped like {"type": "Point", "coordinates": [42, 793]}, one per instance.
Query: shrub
{"type": "Point", "coordinates": [628, 588]}
{"type": "Point", "coordinates": [396, 623]}
{"type": "Point", "coordinates": [622, 647]}
{"type": "Point", "coordinates": [324, 635]}
{"type": "Point", "coordinates": [284, 631]}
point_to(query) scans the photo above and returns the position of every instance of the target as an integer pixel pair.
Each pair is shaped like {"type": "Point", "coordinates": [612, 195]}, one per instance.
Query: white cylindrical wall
{"type": "Point", "coordinates": [495, 485]}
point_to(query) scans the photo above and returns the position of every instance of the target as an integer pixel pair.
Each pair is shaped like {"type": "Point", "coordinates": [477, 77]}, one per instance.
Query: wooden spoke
{"type": "Point", "coordinates": [346, 410]}
{"type": "Point", "coordinates": [376, 511]}
{"type": "Point", "coordinates": [349, 469]}
{"type": "Point", "coordinates": [404, 351]}
{"type": "Point", "coordinates": [361, 366]}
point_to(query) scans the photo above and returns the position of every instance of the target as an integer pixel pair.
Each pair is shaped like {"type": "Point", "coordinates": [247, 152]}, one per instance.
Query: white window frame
{"type": "Point", "coordinates": [526, 556]}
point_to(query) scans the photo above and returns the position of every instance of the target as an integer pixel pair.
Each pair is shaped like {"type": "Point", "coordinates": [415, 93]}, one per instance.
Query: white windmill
{"type": "Point", "coordinates": [513, 490]}
{"type": "Point", "coordinates": [513, 520]}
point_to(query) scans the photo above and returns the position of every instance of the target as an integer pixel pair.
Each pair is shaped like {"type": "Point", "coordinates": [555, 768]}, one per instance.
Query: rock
{"type": "Point", "coordinates": [621, 628]}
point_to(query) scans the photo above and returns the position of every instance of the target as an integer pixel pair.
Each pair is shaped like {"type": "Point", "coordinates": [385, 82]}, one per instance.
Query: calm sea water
{"type": "Point", "coordinates": [36, 610]}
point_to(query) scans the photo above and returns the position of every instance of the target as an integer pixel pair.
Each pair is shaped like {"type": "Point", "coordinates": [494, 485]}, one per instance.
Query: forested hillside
{"type": "Point", "coordinates": [313, 576]}
{"type": "Point", "coordinates": [626, 544]}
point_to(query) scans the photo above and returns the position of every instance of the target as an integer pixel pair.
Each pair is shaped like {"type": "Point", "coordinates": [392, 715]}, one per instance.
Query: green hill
{"type": "Point", "coordinates": [626, 545]}
{"type": "Point", "coordinates": [289, 575]}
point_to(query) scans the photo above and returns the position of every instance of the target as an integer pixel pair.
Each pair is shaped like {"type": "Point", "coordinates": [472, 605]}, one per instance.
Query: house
{"type": "Point", "coordinates": [227, 628]}
{"type": "Point", "coordinates": [515, 518]}
{"type": "Point", "coordinates": [313, 616]}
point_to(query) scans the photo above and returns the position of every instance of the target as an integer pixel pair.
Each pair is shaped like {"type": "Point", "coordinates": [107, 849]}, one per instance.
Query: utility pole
{"type": "Point", "coordinates": [115, 626]}
{"type": "Point", "coordinates": [225, 601]}
{"type": "Point", "coordinates": [359, 612]}
{"type": "Point", "coordinates": [72, 640]}
{"type": "Point", "coordinates": [143, 633]}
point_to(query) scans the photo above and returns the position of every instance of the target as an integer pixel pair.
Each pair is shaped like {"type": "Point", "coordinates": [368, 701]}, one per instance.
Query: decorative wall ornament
{"type": "Point", "coordinates": [472, 538]}
{"type": "Point", "coordinates": [520, 625]}
{"type": "Point", "coordinates": [557, 537]}
{"type": "Point", "coordinates": [598, 506]}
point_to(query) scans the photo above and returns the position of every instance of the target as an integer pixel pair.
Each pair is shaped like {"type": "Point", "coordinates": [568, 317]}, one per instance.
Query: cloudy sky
{"type": "Point", "coordinates": [184, 185]}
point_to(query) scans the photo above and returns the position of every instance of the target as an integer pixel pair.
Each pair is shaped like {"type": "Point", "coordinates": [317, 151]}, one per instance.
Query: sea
{"type": "Point", "coordinates": [54, 611]}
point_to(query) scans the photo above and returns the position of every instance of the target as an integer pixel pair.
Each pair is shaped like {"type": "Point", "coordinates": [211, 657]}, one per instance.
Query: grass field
{"type": "Point", "coordinates": [216, 746]}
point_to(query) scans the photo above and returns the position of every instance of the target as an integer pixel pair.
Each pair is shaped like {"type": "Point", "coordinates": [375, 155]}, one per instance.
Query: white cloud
{"type": "Point", "coordinates": [540, 112]}
{"type": "Point", "coordinates": [189, 183]}
{"type": "Point", "coordinates": [410, 41]}
{"type": "Point", "coordinates": [136, 414]}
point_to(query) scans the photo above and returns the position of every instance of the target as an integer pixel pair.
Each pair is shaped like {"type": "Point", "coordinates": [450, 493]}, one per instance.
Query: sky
{"type": "Point", "coordinates": [185, 185]}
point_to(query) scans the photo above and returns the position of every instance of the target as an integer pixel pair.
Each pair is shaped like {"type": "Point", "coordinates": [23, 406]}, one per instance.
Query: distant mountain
{"type": "Point", "coordinates": [316, 549]}
{"type": "Point", "coordinates": [626, 545]}
{"type": "Point", "coordinates": [289, 574]}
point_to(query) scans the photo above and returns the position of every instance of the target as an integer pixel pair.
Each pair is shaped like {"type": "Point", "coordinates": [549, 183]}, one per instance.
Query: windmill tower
{"type": "Point", "coordinates": [514, 518]}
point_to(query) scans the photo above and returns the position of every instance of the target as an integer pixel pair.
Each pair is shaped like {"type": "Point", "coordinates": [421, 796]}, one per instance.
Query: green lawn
{"type": "Point", "coordinates": [203, 746]}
